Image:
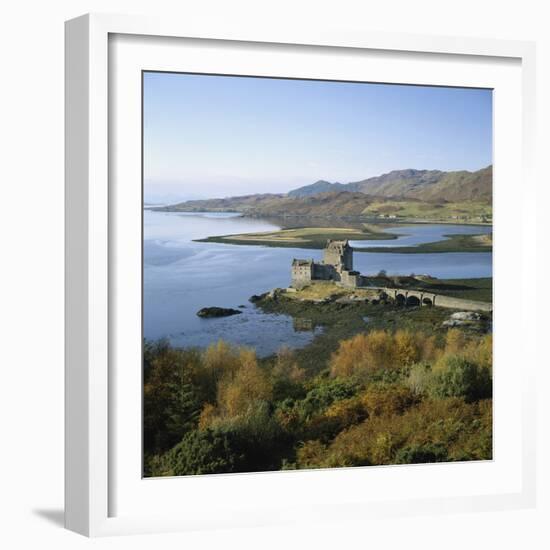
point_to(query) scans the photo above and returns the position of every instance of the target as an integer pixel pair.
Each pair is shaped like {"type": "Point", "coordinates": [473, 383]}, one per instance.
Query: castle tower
{"type": "Point", "coordinates": [301, 272]}
{"type": "Point", "coordinates": [339, 254]}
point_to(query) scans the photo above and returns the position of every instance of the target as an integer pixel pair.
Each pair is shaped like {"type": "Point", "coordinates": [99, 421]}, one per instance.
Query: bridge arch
{"type": "Point", "coordinates": [400, 298]}
{"type": "Point", "coordinates": [412, 300]}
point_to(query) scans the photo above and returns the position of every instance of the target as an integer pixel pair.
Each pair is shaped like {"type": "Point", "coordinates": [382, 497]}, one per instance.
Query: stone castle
{"type": "Point", "coordinates": [337, 266]}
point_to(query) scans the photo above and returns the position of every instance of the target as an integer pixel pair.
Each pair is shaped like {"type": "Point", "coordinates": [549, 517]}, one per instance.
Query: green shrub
{"type": "Point", "coordinates": [418, 454]}
{"type": "Point", "coordinates": [462, 378]}
{"type": "Point", "coordinates": [200, 452]}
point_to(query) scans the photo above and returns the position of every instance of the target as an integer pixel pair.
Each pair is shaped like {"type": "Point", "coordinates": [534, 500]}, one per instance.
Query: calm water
{"type": "Point", "coordinates": [182, 276]}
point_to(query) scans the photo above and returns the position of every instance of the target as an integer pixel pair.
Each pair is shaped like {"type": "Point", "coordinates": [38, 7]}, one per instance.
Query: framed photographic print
{"type": "Point", "coordinates": [293, 266]}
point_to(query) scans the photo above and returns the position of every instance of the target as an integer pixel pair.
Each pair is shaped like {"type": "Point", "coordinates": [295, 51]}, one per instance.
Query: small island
{"type": "Point", "coordinates": [208, 312]}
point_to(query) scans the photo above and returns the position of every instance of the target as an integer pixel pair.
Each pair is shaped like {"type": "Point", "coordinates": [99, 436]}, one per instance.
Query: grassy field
{"type": "Point", "coordinates": [303, 237]}
{"type": "Point", "coordinates": [468, 289]}
{"type": "Point", "coordinates": [456, 212]}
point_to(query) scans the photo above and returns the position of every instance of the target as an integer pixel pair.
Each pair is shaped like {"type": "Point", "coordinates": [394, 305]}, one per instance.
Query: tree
{"type": "Point", "coordinates": [171, 405]}
{"type": "Point", "coordinates": [243, 388]}
{"type": "Point", "coordinates": [200, 452]}
{"type": "Point", "coordinates": [407, 348]}
{"type": "Point", "coordinates": [363, 354]}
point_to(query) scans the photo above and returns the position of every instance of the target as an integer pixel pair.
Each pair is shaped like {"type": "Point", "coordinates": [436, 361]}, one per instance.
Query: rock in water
{"type": "Point", "coordinates": [208, 312]}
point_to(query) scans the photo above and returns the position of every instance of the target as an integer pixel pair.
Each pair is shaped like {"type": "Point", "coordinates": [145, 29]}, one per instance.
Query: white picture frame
{"type": "Point", "coordinates": [95, 425]}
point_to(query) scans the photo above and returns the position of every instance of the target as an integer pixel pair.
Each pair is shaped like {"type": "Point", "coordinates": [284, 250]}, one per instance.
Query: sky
{"type": "Point", "coordinates": [217, 136]}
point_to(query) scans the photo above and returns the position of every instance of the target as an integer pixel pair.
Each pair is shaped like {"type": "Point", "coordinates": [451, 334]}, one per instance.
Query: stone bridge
{"type": "Point", "coordinates": [413, 297]}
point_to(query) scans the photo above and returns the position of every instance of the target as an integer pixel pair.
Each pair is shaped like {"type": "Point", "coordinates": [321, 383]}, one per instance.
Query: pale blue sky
{"type": "Point", "coordinates": [207, 136]}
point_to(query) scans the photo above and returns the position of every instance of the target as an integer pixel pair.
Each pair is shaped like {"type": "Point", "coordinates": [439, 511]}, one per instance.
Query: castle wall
{"type": "Point", "coordinates": [302, 274]}
{"type": "Point", "coordinates": [350, 279]}
{"type": "Point", "coordinates": [324, 272]}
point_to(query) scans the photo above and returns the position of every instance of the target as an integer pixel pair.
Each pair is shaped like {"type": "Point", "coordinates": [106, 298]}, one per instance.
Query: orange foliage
{"type": "Point", "coordinates": [363, 353]}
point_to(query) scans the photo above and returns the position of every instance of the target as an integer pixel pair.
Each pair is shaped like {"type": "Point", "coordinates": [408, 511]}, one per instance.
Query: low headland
{"type": "Point", "coordinates": [316, 238]}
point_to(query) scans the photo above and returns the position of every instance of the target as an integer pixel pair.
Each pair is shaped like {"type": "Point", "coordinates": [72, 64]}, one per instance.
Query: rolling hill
{"type": "Point", "coordinates": [407, 194]}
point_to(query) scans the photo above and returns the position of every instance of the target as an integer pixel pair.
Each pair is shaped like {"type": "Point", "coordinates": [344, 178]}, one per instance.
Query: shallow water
{"type": "Point", "coordinates": [413, 235]}
{"type": "Point", "coordinates": [182, 276]}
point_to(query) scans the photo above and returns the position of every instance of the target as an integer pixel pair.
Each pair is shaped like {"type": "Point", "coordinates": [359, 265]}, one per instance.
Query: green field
{"type": "Point", "coordinates": [455, 212]}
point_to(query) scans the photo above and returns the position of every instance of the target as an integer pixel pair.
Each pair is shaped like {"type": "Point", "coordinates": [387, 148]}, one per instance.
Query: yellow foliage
{"type": "Point", "coordinates": [407, 347]}
{"type": "Point", "coordinates": [249, 384]}
{"type": "Point", "coordinates": [458, 426]}
{"type": "Point", "coordinates": [481, 352]}
{"type": "Point", "coordinates": [455, 342]}
{"type": "Point", "coordinates": [219, 361]}
{"type": "Point", "coordinates": [363, 353]}
{"type": "Point", "coordinates": [476, 350]}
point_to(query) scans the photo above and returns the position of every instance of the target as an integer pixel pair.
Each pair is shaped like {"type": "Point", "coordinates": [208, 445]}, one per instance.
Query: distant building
{"type": "Point", "coordinates": [337, 266]}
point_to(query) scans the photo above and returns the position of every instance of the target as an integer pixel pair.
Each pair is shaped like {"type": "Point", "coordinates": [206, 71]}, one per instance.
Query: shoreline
{"type": "Point", "coordinates": [350, 218]}
{"type": "Point", "coordinates": [450, 244]}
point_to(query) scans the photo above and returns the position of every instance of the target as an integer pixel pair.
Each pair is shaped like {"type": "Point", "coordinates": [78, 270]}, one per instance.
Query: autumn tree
{"type": "Point", "coordinates": [363, 353]}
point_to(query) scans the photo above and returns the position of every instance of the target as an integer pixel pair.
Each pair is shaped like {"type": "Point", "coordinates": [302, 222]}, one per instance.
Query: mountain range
{"type": "Point", "coordinates": [427, 185]}
{"type": "Point", "coordinates": [426, 189]}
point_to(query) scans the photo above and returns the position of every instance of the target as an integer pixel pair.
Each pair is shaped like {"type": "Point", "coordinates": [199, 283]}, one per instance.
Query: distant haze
{"type": "Point", "coordinates": [218, 136]}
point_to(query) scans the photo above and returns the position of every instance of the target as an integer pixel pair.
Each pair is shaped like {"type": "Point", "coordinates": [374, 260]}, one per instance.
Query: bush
{"type": "Point", "coordinates": [407, 348]}
{"type": "Point", "coordinates": [324, 394]}
{"type": "Point", "coordinates": [418, 454]}
{"type": "Point", "coordinates": [200, 452]}
{"type": "Point", "coordinates": [379, 350]}
{"type": "Point", "coordinates": [318, 415]}
{"type": "Point", "coordinates": [461, 378]}
{"type": "Point", "coordinates": [420, 433]}
{"type": "Point", "coordinates": [388, 400]}
{"type": "Point", "coordinates": [363, 354]}
{"type": "Point", "coordinates": [420, 379]}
